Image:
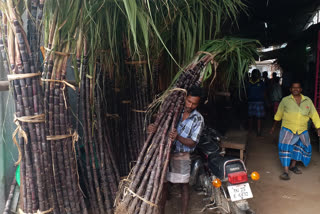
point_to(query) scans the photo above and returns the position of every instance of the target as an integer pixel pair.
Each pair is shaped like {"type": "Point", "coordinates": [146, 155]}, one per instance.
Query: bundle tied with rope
{"type": "Point", "coordinates": [38, 211]}
{"type": "Point", "coordinates": [12, 77]}
{"type": "Point", "coordinates": [142, 194]}
{"type": "Point", "coordinates": [57, 52]}
{"type": "Point", "coordinates": [129, 191]}
{"type": "Point", "coordinates": [139, 111]}
{"type": "Point", "coordinates": [74, 136]}
{"type": "Point", "coordinates": [61, 138]}
{"type": "Point", "coordinates": [42, 165]}
{"type": "Point", "coordinates": [65, 83]}
{"type": "Point", "coordinates": [21, 133]}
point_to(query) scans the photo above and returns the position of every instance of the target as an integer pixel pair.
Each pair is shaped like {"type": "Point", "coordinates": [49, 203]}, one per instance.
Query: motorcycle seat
{"type": "Point", "coordinates": [216, 164]}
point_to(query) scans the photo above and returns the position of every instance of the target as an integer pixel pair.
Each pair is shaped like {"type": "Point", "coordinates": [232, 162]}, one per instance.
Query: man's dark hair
{"type": "Point", "coordinates": [265, 74]}
{"type": "Point", "coordinates": [277, 79]}
{"type": "Point", "coordinates": [296, 82]}
{"type": "Point", "coordinates": [195, 91]}
{"type": "Point", "coordinates": [255, 75]}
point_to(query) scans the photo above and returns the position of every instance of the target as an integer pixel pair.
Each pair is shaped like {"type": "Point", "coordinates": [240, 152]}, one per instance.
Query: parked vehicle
{"type": "Point", "coordinates": [223, 178]}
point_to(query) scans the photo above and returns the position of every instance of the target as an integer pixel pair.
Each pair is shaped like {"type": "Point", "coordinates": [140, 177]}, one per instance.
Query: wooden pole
{"type": "Point", "coordinates": [4, 85]}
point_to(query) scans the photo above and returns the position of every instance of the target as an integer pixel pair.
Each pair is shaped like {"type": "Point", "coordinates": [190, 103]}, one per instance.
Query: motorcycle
{"type": "Point", "coordinates": [223, 178]}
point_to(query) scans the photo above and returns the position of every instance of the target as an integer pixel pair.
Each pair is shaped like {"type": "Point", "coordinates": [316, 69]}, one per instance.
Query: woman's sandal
{"type": "Point", "coordinates": [295, 170]}
{"type": "Point", "coordinates": [285, 176]}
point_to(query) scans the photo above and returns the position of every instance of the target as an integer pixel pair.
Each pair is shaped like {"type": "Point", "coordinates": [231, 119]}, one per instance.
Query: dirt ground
{"type": "Point", "coordinates": [300, 195]}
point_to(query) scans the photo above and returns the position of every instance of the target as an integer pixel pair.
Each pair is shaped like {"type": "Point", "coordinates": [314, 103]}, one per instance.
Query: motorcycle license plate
{"type": "Point", "coordinates": [240, 192]}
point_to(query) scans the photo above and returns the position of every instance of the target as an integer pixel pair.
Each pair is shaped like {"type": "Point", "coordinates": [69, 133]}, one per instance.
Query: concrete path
{"type": "Point", "coordinates": [299, 195]}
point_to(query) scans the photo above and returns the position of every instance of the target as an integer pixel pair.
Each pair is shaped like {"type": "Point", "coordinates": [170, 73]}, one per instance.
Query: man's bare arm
{"type": "Point", "coordinates": [185, 141]}
{"type": "Point", "coordinates": [275, 123]}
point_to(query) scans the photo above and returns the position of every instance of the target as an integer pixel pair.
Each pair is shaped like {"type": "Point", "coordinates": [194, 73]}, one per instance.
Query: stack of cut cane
{"type": "Point", "coordinates": [48, 171]}
{"type": "Point", "coordinates": [99, 170]}
{"type": "Point", "coordinates": [36, 187]}
{"type": "Point", "coordinates": [141, 191]}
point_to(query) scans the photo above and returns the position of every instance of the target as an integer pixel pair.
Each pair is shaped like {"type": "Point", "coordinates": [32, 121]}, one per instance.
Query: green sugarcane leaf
{"type": "Point", "coordinates": [207, 72]}
{"type": "Point", "coordinates": [131, 11]}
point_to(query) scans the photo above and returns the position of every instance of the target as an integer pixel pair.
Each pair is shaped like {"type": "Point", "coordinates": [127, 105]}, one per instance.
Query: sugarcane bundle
{"type": "Point", "coordinates": [141, 191]}
{"type": "Point", "coordinates": [67, 196]}
{"type": "Point", "coordinates": [61, 136]}
{"type": "Point", "coordinates": [99, 169]}
{"type": "Point", "coordinates": [36, 190]}
{"type": "Point", "coordinates": [140, 99]}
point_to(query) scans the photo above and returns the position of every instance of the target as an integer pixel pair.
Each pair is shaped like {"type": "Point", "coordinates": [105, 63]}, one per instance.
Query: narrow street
{"type": "Point", "coordinates": [271, 195]}
{"type": "Point", "coordinates": [300, 195]}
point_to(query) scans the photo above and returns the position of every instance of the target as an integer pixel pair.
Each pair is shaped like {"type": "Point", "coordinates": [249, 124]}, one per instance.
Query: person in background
{"type": "Point", "coordinates": [185, 138]}
{"type": "Point", "coordinates": [265, 77]}
{"type": "Point", "coordinates": [267, 99]}
{"type": "Point", "coordinates": [274, 76]}
{"type": "Point", "coordinates": [295, 111]}
{"type": "Point", "coordinates": [256, 95]}
{"type": "Point", "coordinates": [276, 94]}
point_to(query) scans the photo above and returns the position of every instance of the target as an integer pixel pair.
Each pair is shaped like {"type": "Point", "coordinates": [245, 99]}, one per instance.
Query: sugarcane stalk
{"type": "Point", "coordinates": [23, 48]}
{"type": "Point", "coordinates": [155, 77]}
{"type": "Point", "coordinates": [167, 152]}
{"type": "Point", "coordinates": [72, 151]}
{"type": "Point", "coordinates": [4, 29]}
{"type": "Point", "coordinates": [10, 197]}
{"type": "Point", "coordinates": [113, 163]}
{"type": "Point", "coordinates": [146, 177]}
{"type": "Point", "coordinates": [32, 31]}
{"type": "Point", "coordinates": [60, 151]}
{"type": "Point", "coordinates": [140, 168]}
{"type": "Point", "coordinates": [54, 153]}
{"type": "Point", "coordinates": [92, 154]}
{"type": "Point", "coordinates": [23, 172]}
{"type": "Point", "coordinates": [46, 154]}
{"type": "Point", "coordinates": [40, 14]}
{"type": "Point", "coordinates": [145, 181]}
{"type": "Point", "coordinates": [156, 169]}
{"type": "Point", "coordinates": [4, 54]}
{"type": "Point", "coordinates": [77, 127]}
{"type": "Point", "coordinates": [85, 95]}
{"type": "Point", "coordinates": [138, 105]}
{"type": "Point", "coordinates": [110, 170]}
{"type": "Point", "coordinates": [100, 142]}
{"type": "Point", "coordinates": [60, 92]}
{"type": "Point", "coordinates": [28, 112]}
{"type": "Point", "coordinates": [23, 175]}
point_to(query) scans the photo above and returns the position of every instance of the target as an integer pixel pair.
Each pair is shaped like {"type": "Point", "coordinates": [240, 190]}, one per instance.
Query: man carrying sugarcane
{"type": "Point", "coordinates": [185, 138]}
{"type": "Point", "coordinates": [295, 111]}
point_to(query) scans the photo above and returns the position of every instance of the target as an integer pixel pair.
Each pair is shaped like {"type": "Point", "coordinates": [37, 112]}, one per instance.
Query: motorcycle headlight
{"type": "Point", "coordinates": [216, 183]}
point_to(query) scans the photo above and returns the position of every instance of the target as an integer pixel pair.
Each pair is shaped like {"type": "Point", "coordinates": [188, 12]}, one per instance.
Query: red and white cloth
{"type": "Point", "coordinates": [179, 168]}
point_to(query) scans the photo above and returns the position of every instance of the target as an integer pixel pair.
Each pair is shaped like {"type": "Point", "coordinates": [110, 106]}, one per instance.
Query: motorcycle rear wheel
{"type": "Point", "coordinates": [234, 209]}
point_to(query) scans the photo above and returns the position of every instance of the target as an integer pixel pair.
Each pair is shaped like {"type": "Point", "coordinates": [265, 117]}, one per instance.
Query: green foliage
{"type": "Point", "coordinates": [180, 26]}
{"type": "Point", "coordinates": [118, 30]}
{"type": "Point", "coordinates": [235, 54]}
